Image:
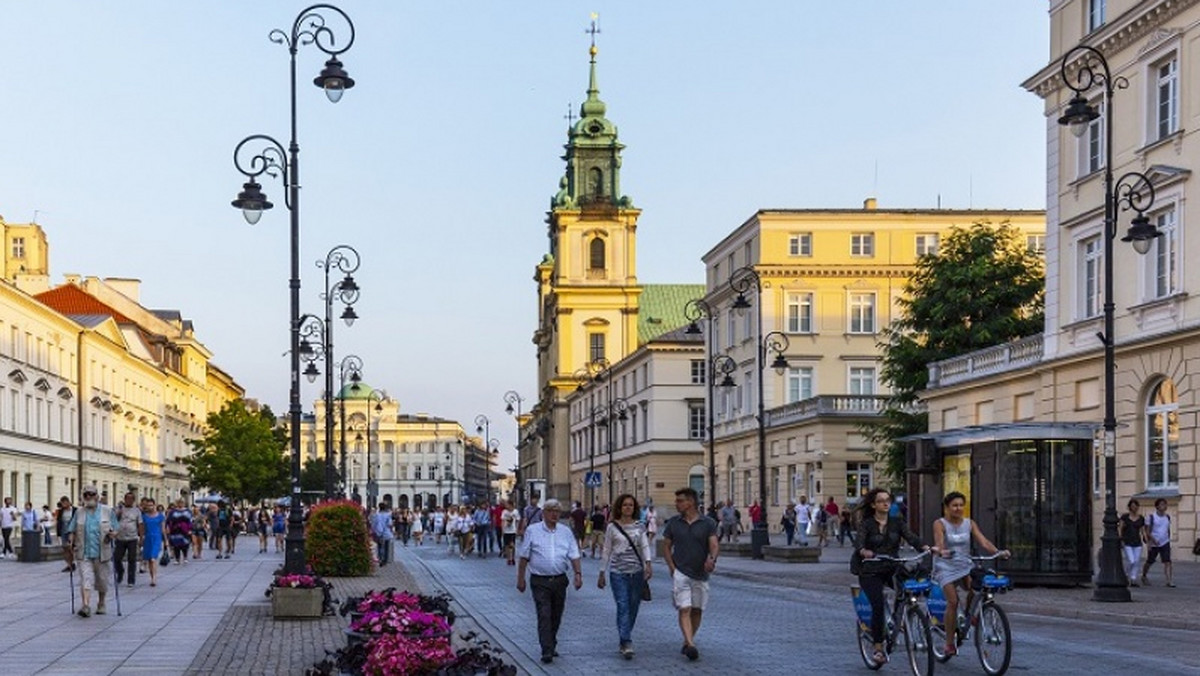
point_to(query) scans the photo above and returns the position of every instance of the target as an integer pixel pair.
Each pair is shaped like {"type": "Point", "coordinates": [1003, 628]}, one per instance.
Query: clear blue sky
{"type": "Point", "coordinates": [120, 120]}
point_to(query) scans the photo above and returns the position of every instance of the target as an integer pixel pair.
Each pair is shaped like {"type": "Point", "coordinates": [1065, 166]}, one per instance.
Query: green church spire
{"type": "Point", "coordinates": [593, 156]}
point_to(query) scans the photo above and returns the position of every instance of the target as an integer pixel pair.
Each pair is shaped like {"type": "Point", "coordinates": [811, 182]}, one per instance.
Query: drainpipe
{"type": "Point", "coordinates": [79, 399]}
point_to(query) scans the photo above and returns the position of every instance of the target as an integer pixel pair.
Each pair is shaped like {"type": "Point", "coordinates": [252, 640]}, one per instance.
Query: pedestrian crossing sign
{"type": "Point", "coordinates": [592, 479]}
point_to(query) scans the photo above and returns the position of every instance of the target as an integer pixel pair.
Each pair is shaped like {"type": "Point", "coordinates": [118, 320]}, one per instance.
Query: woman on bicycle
{"type": "Point", "coordinates": [878, 535]}
{"type": "Point", "coordinates": [952, 535]}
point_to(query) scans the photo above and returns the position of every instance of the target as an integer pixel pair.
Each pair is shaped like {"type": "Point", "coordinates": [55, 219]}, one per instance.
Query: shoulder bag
{"type": "Point", "coordinates": [646, 596]}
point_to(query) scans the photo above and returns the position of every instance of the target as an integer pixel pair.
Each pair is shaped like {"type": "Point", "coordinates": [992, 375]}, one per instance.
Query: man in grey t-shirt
{"type": "Point", "coordinates": [129, 532]}
{"type": "Point", "coordinates": [690, 551]}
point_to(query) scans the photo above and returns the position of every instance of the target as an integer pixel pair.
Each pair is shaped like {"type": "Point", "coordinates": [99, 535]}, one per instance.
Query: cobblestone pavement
{"type": "Point", "coordinates": [768, 622]}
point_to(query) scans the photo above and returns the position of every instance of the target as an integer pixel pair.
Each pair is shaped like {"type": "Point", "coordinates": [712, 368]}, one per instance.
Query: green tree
{"type": "Point", "coordinates": [240, 455]}
{"type": "Point", "coordinates": [984, 287]}
{"type": "Point", "coordinates": [312, 476]}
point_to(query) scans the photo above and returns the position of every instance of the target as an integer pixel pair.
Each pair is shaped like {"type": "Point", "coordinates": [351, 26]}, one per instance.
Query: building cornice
{"type": "Point", "coordinates": [1139, 23]}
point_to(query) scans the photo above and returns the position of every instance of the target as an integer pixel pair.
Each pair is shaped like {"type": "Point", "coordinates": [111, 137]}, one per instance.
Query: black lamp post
{"type": "Point", "coordinates": [483, 426]}
{"type": "Point", "coordinates": [308, 28]}
{"type": "Point", "coordinates": [741, 281]}
{"type": "Point", "coordinates": [493, 451]}
{"type": "Point", "coordinates": [372, 481]}
{"type": "Point", "coordinates": [1132, 191]}
{"type": "Point", "coordinates": [715, 365]}
{"type": "Point", "coordinates": [344, 259]}
{"type": "Point", "coordinates": [349, 368]}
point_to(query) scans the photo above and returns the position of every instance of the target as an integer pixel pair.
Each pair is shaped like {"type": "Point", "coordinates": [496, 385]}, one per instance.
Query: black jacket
{"type": "Point", "coordinates": [885, 542]}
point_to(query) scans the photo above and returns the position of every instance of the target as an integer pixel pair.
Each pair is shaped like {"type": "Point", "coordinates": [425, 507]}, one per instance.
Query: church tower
{"type": "Point", "coordinates": [587, 284]}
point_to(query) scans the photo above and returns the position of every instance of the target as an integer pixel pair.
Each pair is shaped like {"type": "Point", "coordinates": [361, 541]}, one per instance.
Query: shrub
{"type": "Point", "coordinates": [337, 542]}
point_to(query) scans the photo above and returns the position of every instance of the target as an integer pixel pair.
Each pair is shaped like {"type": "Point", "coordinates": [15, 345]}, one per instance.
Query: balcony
{"type": "Point", "coordinates": [837, 405]}
{"type": "Point", "coordinates": [986, 362]}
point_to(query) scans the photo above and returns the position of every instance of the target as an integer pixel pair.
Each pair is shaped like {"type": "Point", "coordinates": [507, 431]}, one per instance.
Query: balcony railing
{"type": "Point", "coordinates": [847, 405]}
{"type": "Point", "coordinates": [986, 362]}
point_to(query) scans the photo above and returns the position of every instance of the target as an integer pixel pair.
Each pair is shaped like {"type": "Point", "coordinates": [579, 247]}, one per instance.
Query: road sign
{"type": "Point", "coordinates": [593, 479]}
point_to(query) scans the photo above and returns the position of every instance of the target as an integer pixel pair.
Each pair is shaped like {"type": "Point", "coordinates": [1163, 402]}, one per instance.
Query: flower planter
{"type": "Point", "coordinates": [289, 603]}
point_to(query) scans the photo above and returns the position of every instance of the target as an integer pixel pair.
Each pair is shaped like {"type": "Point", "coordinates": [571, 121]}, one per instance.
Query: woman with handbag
{"type": "Point", "coordinates": [152, 542]}
{"type": "Point", "coordinates": [627, 553]}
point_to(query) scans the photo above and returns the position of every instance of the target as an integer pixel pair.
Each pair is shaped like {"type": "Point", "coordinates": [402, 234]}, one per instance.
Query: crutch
{"type": "Point", "coordinates": [116, 582]}
{"type": "Point", "coordinates": [72, 570]}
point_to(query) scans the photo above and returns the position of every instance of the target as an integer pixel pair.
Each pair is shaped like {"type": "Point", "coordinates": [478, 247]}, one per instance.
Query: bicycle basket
{"type": "Point", "coordinates": [997, 582]}
{"type": "Point", "coordinates": [919, 587]}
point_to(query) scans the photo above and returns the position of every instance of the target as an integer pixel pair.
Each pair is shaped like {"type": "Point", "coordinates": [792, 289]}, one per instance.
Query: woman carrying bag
{"type": "Point", "coordinates": [627, 553]}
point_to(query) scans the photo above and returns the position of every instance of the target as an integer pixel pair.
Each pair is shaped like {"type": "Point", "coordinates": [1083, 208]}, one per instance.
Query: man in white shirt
{"type": "Point", "coordinates": [1158, 533]}
{"type": "Point", "coordinates": [548, 550]}
{"type": "Point", "coordinates": [8, 520]}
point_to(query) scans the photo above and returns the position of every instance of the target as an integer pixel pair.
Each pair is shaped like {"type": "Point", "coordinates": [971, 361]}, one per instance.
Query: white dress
{"type": "Point", "coordinates": [956, 539]}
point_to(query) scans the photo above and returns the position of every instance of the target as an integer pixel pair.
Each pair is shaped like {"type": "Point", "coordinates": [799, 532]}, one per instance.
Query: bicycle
{"type": "Point", "coordinates": [907, 604]}
{"type": "Point", "coordinates": [984, 617]}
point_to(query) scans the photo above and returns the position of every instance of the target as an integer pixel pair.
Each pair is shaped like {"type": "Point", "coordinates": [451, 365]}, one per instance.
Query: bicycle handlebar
{"type": "Point", "coordinates": [895, 559]}
{"type": "Point", "coordinates": [994, 557]}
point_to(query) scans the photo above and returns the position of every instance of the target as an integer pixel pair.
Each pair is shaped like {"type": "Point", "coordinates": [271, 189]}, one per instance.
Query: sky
{"type": "Point", "coordinates": [120, 120]}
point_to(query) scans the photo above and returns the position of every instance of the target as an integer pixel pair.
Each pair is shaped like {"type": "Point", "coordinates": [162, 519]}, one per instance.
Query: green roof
{"type": "Point", "coordinates": [348, 392]}
{"type": "Point", "coordinates": [660, 308]}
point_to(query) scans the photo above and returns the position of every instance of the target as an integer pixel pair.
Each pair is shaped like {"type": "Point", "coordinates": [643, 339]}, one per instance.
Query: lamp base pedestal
{"type": "Point", "coordinates": [759, 538]}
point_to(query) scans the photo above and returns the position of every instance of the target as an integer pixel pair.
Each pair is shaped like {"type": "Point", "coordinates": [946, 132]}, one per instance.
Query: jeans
{"type": "Point", "coordinates": [549, 599]}
{"type": "Point", "coordinates": [627, 592]}
{"type": "Point", "coordinates": [483, 539]}
{"type": "Point", "coordinates": [790, 530]}
{"type": "Point", "coordinates": [384, 545]}
{"type": "Point", "coordinates": [126, 553]}
{"type": "Point", "coordinates": [873, 586]}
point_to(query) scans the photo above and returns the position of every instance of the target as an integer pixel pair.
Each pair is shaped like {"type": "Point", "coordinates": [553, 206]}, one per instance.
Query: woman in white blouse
{"type": "Point", "coordinates": [626, 560]}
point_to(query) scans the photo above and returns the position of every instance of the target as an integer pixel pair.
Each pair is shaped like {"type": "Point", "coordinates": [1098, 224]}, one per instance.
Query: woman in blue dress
{"type": "Point", "coordinates": [952, 536]}
{"type": "Point", "coordinates": [152, 544]}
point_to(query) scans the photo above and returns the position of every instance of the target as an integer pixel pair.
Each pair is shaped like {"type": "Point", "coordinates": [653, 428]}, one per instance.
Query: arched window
{"type": "Point", "coordinates": [1162, 436]}
{"type": "Point", "coordinates": [596, 181]}
{"type": "Point", "coordinates": [596, 254]}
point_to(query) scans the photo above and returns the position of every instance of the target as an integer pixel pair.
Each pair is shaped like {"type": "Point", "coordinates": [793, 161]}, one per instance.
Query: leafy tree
{"type": "Point", "coordinates": [240, 455]}
{"type": "Point", "coordinates": [312, 476]}
{"type": "Point", "coordinates": [984, 287]}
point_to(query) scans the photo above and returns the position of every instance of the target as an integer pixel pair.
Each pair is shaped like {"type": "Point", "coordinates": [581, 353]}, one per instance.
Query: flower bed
{"type": "Point", "coordinates": [300, 595]}
{"type": "Point", "coordinates": [394, 632]}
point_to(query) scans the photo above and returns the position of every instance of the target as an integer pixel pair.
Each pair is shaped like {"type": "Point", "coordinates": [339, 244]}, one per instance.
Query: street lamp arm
{"type": "Point", "coordinates": [1132, 191]}
{"type": "Point", "coordinates": [775, 342]}
{"type": "Point", "coordinates": [1092, 71]}
{"type": "Point", "coordinates": [345, 259]}
{"type": "Point", "coordinates": [270, 159]}
{"type": "Point", "coordinates": [315, 32]}
{"type": "Point", "coordinates": [743, 279]}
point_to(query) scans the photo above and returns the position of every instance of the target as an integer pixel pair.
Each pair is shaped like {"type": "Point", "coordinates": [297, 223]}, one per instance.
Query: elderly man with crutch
{"type": "Point", "coordinates": [91, 529]}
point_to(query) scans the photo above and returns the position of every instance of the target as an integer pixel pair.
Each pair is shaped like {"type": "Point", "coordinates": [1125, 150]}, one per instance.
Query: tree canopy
{"type": "Point", "coordinates": [241, 455]}
{"type": "Point", "coordinates": [983, 287]}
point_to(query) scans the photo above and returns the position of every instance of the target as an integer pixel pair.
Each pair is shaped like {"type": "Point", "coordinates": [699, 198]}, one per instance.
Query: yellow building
{"type": "Point", "coordinates": [1057, 378]}
{"type": "Point", "coordinates": [830, 281]}
{"type": "Point", "coordinates": [99, 389]}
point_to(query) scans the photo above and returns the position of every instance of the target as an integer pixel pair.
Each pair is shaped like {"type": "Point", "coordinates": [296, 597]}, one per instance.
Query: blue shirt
{"type": "Point", "coordinates": [549, 552]}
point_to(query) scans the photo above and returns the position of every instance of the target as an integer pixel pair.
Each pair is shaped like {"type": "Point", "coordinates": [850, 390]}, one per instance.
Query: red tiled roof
{"type": "Point", "coordinates": [69, 299]}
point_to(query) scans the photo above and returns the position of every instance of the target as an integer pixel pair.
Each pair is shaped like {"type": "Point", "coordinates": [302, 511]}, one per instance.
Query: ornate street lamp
{"type": "Point", "coordinates": [1132, 191]}
{"type": "Point", "coordinates": [695, 310]}
{"type": "Point", "coordinates": [741, 281]}
{"type": "Point", "coordinates": [378, 397]}
{"type": "Point", "coordinates": [349, 369]}
{"type": "Point", "coordinates": [271, 159]}
{"type": "Point", "coordinates": [344, 259]}
{"type": "Point", "coordinates": [483, 427]}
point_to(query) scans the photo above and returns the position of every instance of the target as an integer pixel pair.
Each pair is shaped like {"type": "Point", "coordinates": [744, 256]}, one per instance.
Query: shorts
{"type": "Point", "coordinates": [688, 592]}
{"type": "Point", "coordinates": [1165, 550]}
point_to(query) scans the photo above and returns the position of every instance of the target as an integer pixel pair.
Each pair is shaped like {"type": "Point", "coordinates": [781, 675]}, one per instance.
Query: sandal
{"type": "Point", "coordinates": [880, 657]}
{"type": "Point", "coordinates": [950, 649]}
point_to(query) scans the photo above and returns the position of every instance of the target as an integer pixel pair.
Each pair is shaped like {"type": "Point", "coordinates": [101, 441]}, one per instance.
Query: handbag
{"type": "Point", "coordinates": [1196, 547]}
{"type": "Point", "coordinates": [646, 595]}
{"type": "Point", "coordinates": [165, 559]}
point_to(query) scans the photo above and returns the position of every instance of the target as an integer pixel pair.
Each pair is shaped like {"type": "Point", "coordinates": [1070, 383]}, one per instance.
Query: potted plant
{"type": "Point", "coordinates": [299, 596]}
{"type": "Point", "coordinates": [337, 542]}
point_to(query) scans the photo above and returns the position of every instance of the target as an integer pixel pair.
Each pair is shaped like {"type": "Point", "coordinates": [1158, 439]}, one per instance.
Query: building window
{"type": "Point", "coordinates": [1096, 14]}
{"type": "Point", "coordinates": [596, 254]}
{"type": "Point", "coordinates": [800, 313]}
{"type": "Point", "coordinates": [732, 329]}
{"type": "Point", "coordinates": [1166, 255]}
{"type": "Point", "coordinates": [800, 244]}
{"type": "Point", "coordinates": [862, 312]}
{"type": "Point", "coordinates": [1090, 276]}
{"type": "Point", "coordinates": [858, 479]}
{"type": "Point", "coordinates": [862, 380]}
{"type": "Point", "coordinates": [1036, 243]}
{"type": "Point", "coordinates": [799, 384]}
{"type": "Point", "coordinates": [595, 347]}
{"type": "Point", "coordinates": [1166, 102]}
{"type": "Point", "coordinates": [862, 244]}
{"type": "Point", "coordinates": [1091, 147]}
{"type": "Point", "coordinates": [18, 247]}
{"type": "Point", "coordinates": [696, 422]}
{"type": "Point", "coordinates": [927, 244]}
{"type": "Point", "coordinates": [1162, 436]}
{"type": "Point", "coordinates": [698, 372]}
{"type": "Point", "coordinates": [416, 472]}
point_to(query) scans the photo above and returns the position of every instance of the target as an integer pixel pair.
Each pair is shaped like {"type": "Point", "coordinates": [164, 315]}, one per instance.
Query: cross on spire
{"type": "Point", "coordinates": [594, 29]}
{"type": "Point", "coordinates": [570, 116]}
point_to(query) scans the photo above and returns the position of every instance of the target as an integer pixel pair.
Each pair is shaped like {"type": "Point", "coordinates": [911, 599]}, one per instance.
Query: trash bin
{"type": "Point", "coordinates": [31, 546]}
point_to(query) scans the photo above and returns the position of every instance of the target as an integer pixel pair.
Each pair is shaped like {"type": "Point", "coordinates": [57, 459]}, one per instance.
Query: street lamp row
{"type": "Point", "coordinates": [309, 28]}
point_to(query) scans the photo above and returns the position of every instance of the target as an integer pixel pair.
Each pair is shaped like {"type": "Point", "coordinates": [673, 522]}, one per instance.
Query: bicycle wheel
{"type": "Point", "coordinates": [937, 645]}
{"type": "Point", "coordinates": [866, 647]}
{"type": "Point", "coordinates": [917, 641]}
{"type": "Point", "coordinates": [993, 640]}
